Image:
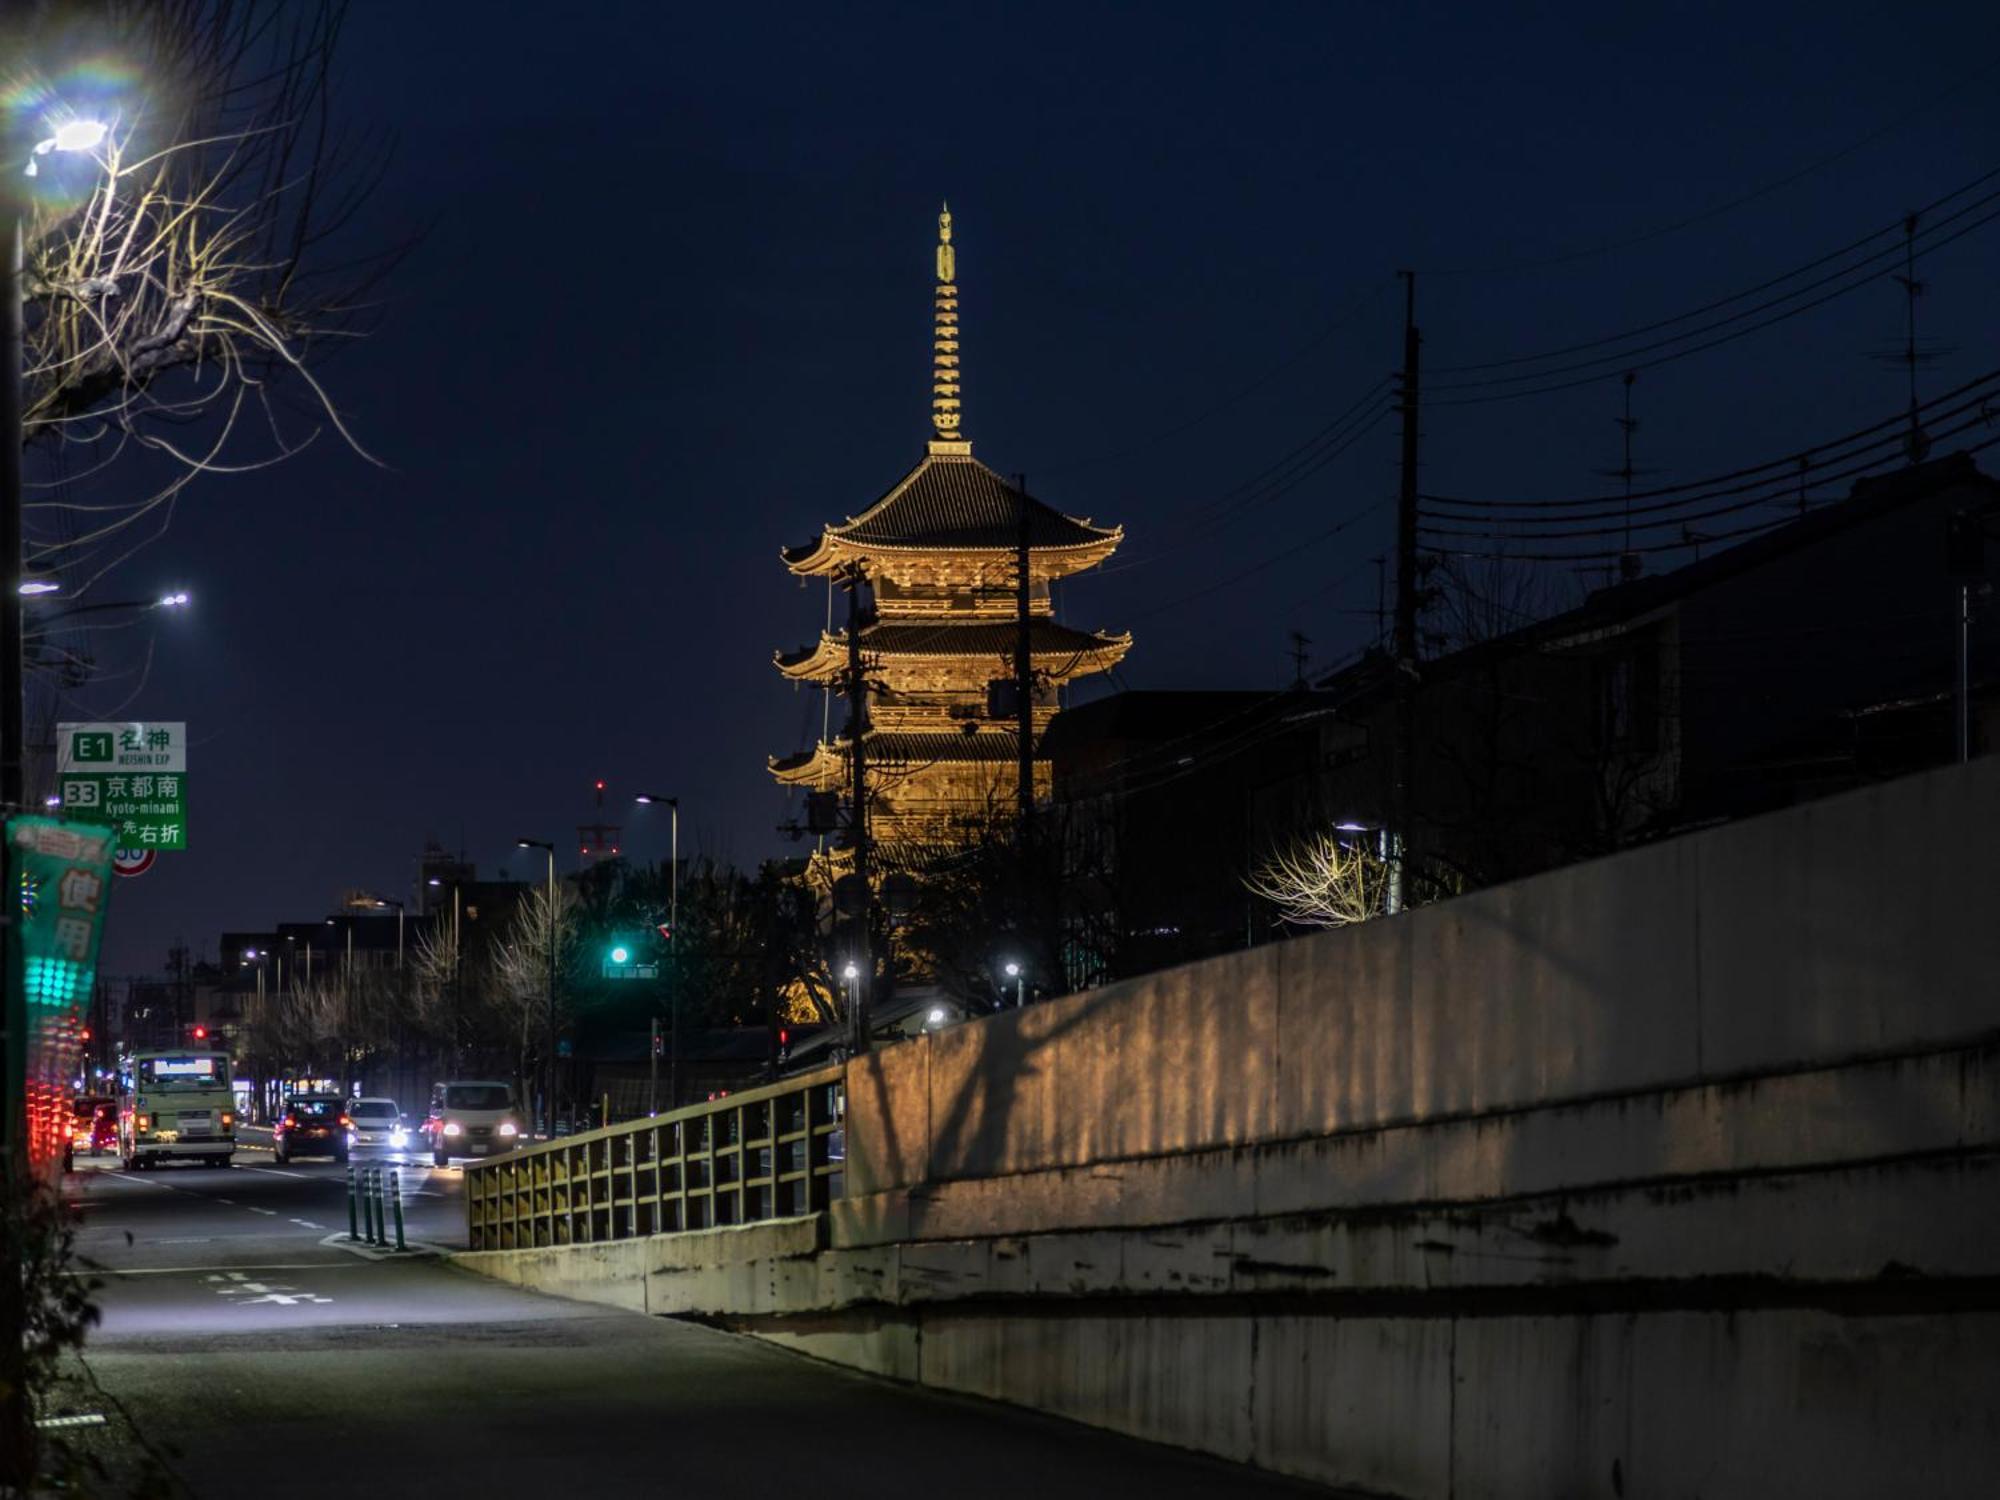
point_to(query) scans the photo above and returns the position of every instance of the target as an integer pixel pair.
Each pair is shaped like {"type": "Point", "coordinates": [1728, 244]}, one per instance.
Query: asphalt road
{"type": "Point", "coordinates": [254, 1351]}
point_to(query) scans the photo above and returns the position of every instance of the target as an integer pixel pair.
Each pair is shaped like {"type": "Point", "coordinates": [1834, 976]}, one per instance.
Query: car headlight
{"type": "Point", "coordinates": [451, 1127]}
{"type": "Point", "coordinates": [507, 1128]}
{"type": "Point", "coordinates": [399, 1137]}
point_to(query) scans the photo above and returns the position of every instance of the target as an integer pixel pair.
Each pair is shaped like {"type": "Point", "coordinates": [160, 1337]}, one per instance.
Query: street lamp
{"type": "Point", "coordinates": [69, 136]}
{"type": "Point", "coordinates": [16, 1435]}
{"type": "Point", "coordinates": [673, 805]}
{"type": "Point", "coordinates": [1016, 973]}
{"type": "Point", "coordinates": [549, 1095]}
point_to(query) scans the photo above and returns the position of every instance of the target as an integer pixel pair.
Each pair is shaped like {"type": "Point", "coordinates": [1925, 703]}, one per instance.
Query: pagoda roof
{"type": "Point", "coordinates": [828, 759]}
{"type": "Point", "coordinates": [950, 502]}
{"type": "Point", "coordinates": [937, 638]}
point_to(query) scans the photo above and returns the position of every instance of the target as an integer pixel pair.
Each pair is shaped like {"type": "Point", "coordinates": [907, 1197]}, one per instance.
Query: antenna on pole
{"type": "Point", "coordinates": [1629, 562]}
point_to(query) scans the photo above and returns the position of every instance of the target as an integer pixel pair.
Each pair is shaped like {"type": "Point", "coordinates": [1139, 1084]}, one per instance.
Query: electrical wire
{"type": "Point", "coordinates": [1931, 101]}
{"type": "Point", "coordinates": [1789, 462]}
{"type": "Point", "coordinates": [1683, 545]}
{"type": "Point", "coordinates": [1782, 486]}
{"type": "Point", "coordinates": [1893, 227]}
{"type": "Point", "coordinates": [1608, 365]}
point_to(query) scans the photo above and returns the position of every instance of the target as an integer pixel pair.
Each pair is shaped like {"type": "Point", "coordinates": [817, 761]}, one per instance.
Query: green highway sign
{"type": "Point", "coordinates": [131, 777]}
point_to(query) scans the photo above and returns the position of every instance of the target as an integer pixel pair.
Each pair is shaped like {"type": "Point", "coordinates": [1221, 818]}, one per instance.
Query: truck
{"type": "Point", "coordinates": [176, 1104]}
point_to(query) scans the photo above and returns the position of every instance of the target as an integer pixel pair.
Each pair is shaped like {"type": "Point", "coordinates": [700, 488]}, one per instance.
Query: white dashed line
{"type": "Point", "coordinates": [271, 1211]}
{"type": "Point", "coordinates": [280, 1172]}
{"type": "Point", "coordinates": [307, 1224]}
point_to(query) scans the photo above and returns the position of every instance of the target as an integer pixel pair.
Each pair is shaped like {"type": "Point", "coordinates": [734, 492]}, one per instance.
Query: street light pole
{"type": "Point", "coordinates": [549, 1092]}
{"type": "Point", "coordinates": [673, 805]}
{"type": "Point", "coordinates": [17, 1439]}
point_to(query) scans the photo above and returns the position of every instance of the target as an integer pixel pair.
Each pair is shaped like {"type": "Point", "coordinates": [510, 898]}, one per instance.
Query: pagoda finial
{"type": "Point", "coordinates": [948, 435]}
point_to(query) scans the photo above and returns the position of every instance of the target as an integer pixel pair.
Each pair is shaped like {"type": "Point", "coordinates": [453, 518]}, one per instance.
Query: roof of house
{"type": "Point", "coordinates": [1621, 603]}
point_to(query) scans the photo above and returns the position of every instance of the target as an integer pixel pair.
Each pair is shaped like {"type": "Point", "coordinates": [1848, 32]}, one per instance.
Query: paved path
{"type": "Point", "coordinates": [246, 1342]}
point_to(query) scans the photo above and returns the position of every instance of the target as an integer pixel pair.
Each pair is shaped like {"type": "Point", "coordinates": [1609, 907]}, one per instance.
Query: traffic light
{"type": "Point", "coordinates": [201, 1033]}
{"type": "Point", "coordinates": [621, 954]}
{"type": "Point", "coordinates": [83, 1035]}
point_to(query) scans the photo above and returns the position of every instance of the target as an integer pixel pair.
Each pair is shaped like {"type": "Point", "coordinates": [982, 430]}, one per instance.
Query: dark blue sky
{"type": "Point", "coordinates": [672, 312]}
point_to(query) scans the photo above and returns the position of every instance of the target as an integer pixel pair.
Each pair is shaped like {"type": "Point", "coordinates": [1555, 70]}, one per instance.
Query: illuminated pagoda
{"type": "Point", "coordinates": [939, 553]}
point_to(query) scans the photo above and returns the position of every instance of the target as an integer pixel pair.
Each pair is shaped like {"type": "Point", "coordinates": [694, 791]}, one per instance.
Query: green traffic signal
{"type": "Point", "coordinates": [621, 954]}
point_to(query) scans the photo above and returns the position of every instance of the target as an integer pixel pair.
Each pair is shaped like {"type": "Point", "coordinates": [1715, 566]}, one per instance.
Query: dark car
{"type": "Point", "coordinates": [312, 1125]}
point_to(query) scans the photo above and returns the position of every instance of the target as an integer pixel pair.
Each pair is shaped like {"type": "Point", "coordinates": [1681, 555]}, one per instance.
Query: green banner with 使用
{"type": "Point", "coordinates": [58, 889]}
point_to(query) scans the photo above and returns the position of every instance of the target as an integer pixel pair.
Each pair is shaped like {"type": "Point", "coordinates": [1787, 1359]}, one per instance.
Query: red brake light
{"type": "Point", "coordinates": [345, 1121]}
{"type": "Point", "coordinates": [290, 1122]}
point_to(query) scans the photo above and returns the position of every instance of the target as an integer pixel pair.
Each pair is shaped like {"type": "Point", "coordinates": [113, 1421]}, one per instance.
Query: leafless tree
{"type": "Point", "coordinates": [519, 988]}
{"type": "Point", "coordinates": [1323, 880]}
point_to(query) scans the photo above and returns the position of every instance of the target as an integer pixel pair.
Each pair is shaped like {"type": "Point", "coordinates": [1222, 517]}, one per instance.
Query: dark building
{"type": "Point", "coordinates": [1818, 656]}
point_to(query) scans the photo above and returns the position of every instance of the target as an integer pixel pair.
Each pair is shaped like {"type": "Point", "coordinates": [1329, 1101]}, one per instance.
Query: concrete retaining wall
{"type": "Point", "coordinates": [1670, 1174]}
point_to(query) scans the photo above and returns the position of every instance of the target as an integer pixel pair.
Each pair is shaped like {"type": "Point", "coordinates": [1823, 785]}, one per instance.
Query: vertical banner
{"type": "Point", "coordinates": [60, 874]}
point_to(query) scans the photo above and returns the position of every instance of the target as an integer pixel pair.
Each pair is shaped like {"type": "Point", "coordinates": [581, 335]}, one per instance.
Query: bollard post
{"type": "Point", "coordinates": [353, 1228]}
{"type": "Point", "coordinates": [376, 1236]}
{"type": "Point", "coordinates": [396, 1203]}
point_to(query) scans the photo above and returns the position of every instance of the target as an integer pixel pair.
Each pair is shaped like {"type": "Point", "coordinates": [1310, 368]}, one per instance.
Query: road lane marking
{"type": "Point", "coordinates": [281, 1172]}
{"type": "Point", "coordinates": [290, 1265]}
{"type": "Point", "coordinates": [307, 1224]}
{"type": "Point", "coordinates": [81, 1419]}
{"type": "Point", "coordinates": [272, 1212]}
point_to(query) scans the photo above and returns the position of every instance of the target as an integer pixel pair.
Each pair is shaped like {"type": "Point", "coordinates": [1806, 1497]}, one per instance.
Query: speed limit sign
{"type": "Point", "coordinates": [132, 861]}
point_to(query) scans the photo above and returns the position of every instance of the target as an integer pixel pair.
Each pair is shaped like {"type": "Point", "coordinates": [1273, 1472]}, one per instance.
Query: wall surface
{"type": "Point", "coordinates": [1669, 1174]}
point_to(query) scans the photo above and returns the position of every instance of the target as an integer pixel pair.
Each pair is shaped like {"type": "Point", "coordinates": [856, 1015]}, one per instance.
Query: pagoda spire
{"type": "Point", "coordinates": [948, 437]}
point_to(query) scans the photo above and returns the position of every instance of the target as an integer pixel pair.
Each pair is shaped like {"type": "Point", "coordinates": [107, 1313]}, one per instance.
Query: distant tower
{"type": "Point", "coordinates": [939, 554]}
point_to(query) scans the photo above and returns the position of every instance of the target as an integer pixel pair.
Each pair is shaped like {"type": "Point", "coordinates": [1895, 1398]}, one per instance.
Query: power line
{"type": "Point", "coordinates": [1271, 373]}
{"type": "Point", "coordinates": [1604, 365]}
{"type": "Point", "coordinates": [1708, 307]}
{"type": "Point", "coordinates": [1930, 102]}
{"type": "Point", "coordinates": [1789, 462]}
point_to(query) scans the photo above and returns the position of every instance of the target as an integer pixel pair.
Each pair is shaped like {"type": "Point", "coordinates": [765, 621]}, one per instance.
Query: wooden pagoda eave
{"type": "Point", "coordinates": [828, 660]}
{"type": "Point", "coordinates": [831, 552]}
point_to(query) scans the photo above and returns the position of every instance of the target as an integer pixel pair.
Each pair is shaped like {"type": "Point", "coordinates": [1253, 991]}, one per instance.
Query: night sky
{"type": "Point", "coordinates": [671, 312]}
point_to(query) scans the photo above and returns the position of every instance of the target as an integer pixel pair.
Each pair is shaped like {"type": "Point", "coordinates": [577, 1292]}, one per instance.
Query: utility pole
{"type": "Point", "coordinates": [1300, 655]}
{"type": "Point", "coordinates": [857, 727]}
{"type": "Point", "coordinates": [1406, 611]}
{"type": "Point", "coordinates": [1024, 672]}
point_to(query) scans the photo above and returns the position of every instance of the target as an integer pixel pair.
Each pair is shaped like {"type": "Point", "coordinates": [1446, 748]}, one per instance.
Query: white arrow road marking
{"type": "Point", "coordinates": [281, 1299]}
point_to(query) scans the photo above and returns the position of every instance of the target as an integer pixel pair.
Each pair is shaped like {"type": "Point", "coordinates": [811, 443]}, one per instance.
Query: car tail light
{"type": "Point", "coordinates": [228, 1118]}
{"type": "Point", "coordinates": [290, 1122]}
{"type": "Point", "coordinates": [345, 1121]}
{"type": "Point", "coordinates": [144, 1122]}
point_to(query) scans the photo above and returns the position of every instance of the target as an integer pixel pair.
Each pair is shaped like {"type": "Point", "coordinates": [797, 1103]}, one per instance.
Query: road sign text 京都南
{"type": "Point", "coordinates": [131, 776]}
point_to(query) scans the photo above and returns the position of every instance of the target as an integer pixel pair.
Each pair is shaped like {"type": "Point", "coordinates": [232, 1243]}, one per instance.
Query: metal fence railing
{"type": "Point", "coordinates": [767, 1153]}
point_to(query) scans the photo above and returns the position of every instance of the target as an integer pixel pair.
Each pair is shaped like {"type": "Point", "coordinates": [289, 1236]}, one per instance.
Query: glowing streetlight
{"type": "Point", "coordinates": [1015, 972]}
{"type": "Point", "coordinates": [71, 135]}
{"type": "Point", "coordinates": [34, 587]}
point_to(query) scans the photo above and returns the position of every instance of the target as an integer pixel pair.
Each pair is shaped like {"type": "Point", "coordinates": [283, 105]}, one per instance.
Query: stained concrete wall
{"type": "Point", "coordinates": [1670, 1174]}
{"type": "Point", "coordinates": [1856, 925]}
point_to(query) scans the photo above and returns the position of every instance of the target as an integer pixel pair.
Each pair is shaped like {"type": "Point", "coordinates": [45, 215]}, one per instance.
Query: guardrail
{"type": "Point", "coordinates": [767, 1153]}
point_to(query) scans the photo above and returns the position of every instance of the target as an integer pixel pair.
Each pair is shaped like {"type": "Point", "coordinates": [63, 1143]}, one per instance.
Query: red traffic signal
{"type": "Point", "coordinates": [83, 1035]}
{"type": "Point", "coordinates": [201, 1033]}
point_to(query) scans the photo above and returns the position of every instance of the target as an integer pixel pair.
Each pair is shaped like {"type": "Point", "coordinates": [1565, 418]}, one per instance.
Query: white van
{"type": "Point", "coordinates": [472, 1117]}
